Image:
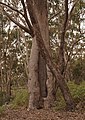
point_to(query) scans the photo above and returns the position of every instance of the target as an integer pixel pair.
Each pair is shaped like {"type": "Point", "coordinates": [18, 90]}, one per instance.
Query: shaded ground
{"type": "Point", "coordinates": [23, 114]}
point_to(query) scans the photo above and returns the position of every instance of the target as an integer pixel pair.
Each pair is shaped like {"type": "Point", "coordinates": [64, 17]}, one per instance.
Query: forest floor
{"type": "Point", "coordinates": [23, 114]}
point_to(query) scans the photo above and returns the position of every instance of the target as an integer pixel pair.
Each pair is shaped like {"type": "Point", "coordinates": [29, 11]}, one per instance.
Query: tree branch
{"type": "Point", "coordinates": [62, 42]}
{"type": "Point", "coordinates": [73, 47]}
{"type": "Point", "coordinates": [23, 21]}
{"type": "Point", "coordinates": [72, 9]}
{"type": "Point", "coordinates": [11, 8]}
{"type": "Point", "coordinates": [26, 17]}
{"type": "Point", "coordinates": [71, 50]}
{"type": "Point", "coordinates": [31, 11]}
{"type": "Point", "coordinates": [31, 32]}
{"type": "Point", "coordinates": [18, 24]}
{"type": "Point", "coordinates": [70, 14]}
{"type": "Point", "coordinates": [54, 16]}
{"type": "Point", "coordinates": [65, 22]}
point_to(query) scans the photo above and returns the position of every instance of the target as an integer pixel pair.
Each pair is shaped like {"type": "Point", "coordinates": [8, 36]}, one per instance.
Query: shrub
{"type": "Point", "coordinates": [21, 98]}
{"type": "Point", "coordinates": [78, 94]}
{"type": "Point", "coordinates": [60, 103]}
{"type": "Point", "coordinates": [2, 98]}
{"type": "Point", "coordinates": [77, 91]}
{"type": "Point", "coordinates": [2, 108]}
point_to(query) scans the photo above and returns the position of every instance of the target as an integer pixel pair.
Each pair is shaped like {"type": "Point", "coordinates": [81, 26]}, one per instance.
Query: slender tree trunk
{"type": "Point", "coordinates": [8, 92]}
{"type": "Point", "coordinates": [1, 78]}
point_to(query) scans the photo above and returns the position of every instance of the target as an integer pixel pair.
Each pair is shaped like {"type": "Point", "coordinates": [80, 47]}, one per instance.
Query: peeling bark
{"type": "Point", "coordinates": [46, 55]}
{"type": "Point", "coordinates": [34, 88]}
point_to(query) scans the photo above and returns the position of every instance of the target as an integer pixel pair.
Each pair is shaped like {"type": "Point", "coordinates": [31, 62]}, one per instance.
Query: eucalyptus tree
{"type": "Point", "coordinates": [10, 58]}
{"type": "Point", "coordinates": [3, 46]}
{"type": "Point", "coordinates": [33, 23]}
{"type": "Point", "coordinates": [74, 38]}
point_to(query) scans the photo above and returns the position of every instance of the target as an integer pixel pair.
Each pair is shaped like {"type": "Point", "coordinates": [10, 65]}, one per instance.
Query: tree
{"type": "Point", "coordinates": [46, 55]}
{"type": "Point", "coordinates": [36, 30]}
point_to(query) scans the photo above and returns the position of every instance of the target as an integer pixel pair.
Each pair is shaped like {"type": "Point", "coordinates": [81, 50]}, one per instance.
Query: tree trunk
{"type": "Point", "coordinates": [56, 71]}
{"type": "Point", "coordinates": [33, 83]}
{"type": "Point", "coordinates": [8, 91]}
{"type": "Point", "coordinates": [45, 53]}
{"type": "Point", "coordinates": [42, 76]}
{"type": "Point", "coordinates": [41, 13]}
{"type": "Point", "coordinates": [51, 88]}
{"type": "Point", "coordinates": [41, 64]}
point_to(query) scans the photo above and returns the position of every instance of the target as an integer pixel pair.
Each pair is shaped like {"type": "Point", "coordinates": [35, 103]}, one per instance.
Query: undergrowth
{"type": "Point", "coordinates": [2, 108]}
{"type": "Point", "coordinates": [77, 92]}
{"type": "Point", "coordinates": [21, 98]}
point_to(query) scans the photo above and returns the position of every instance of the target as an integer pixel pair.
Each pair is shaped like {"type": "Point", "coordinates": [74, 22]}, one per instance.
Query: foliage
{"type": "Point", "coordinates": [20, 99]}
{"type": "Point", "coordinates": [78, 69]}
{"type": "Point", "coordinates": [2, 98]}
{"type": "Point", "coordinates": [77, 91]}
{"type": "Point", "coordinates": [2, 108]}
{"type": "Point", "coordinates": [13, 48]}
{"type": "Point", "coordinates": [60, 103]}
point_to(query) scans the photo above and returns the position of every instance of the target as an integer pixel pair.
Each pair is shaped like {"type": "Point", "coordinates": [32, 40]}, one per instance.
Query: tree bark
{"type": "Point", "coordinates": [46, 55]}
{"type": "Point", "coordinates": [8, 92]}
{"type": "Point", "coordinates": [42, 76]}
{"type": "Point", "coordinates": [33, 83]}
{"type": "Point", "coordinates": [41, 63]}
{"type": "Point", "coordinates": [41, 13]}
{"type": "Point", "coordinates": [51, 88]}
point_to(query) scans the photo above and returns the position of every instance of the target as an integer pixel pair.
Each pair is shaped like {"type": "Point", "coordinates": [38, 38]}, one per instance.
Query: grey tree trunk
{"type": "Point", "coordinates": [45, 76]}
{"type": "Point", "coordinates": [40, 75]}
{"type": "Point", "coordinates": [45, 51]}
{"type": "Point", "coordinates": [51, 88]}
{"type": "Point", "coordinates": [33, 83]}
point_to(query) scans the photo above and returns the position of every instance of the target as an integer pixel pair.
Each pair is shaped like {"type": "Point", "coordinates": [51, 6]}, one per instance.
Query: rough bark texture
{"type": "Point", "coordinates": [34, 88]}
{"type": "Point", "coordinates": [41, 13]}
{"type": "Point", "coordinates": [51, 89]}
{"type": "Point", "coordinates": [45, 53]}
{"type": "Point", "coordinates": [62, 40]}
{"type": "Point", "coordinates": [42, 76]}
{"type": "Point", "coordinates": [41, 65]}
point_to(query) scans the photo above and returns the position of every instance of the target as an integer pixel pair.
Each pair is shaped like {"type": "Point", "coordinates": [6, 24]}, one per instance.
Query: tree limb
{"type": "Point", "coordinates": [62, 42]}
{"type": "Point", "coordinates": [11, 8]}
{"type": "Point", "coordinates": [54, 16]}
{"type": "Point", "coordinates": [64, 28]}
{"type": "Point", "coordinates": [72, 9]}
{"type": "Point", "coordinates": [26, 17]}
{"type": "Point", "coordinates": [71, 50]}
{"type": "Point", "coordinates": [70, 14]}
{"type": "Point", "coordinates": [18, 24]}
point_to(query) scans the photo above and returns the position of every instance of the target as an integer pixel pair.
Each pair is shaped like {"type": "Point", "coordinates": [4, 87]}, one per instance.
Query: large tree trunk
{"type": "Point", "coordinates": [56, 71]}
{"type": "Point", "coordinates": [45, 53]}
{"type": "Point", "coordinates": [37, 78]}
{"type": "Point", "coordinates": [33, 83]}
{"type": "Point", "coordinates": [41, 73]}
{"type": "Point", "coordinates": [41, 13]}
